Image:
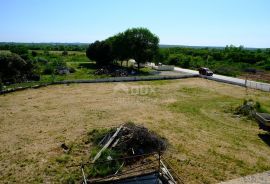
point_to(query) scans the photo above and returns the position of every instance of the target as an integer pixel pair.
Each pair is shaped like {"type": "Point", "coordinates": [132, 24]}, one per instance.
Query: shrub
{"type": "Point", "coordinates": [1, 86]}
{"type": "Point", "coordinates": [34, 77]}
{"type": "Point", "coordinates": [21, 50]}
{"type": "Point", "coordinates": [72, 70]}
{"type": "Point", "coordinates": [65, 53]}
{"type": "Point", "coordinates": [14, 69]}
{"type": "Point", "coordinates": [34, 53]}
{"type": "Point", "coordinates": [267, 67]}
{"type": "Point", "coordinates": [49, 69]}
{"type": "Point", "coordinates": [173, 61]}
{"type": "Point", "coordinates": [249, 107]}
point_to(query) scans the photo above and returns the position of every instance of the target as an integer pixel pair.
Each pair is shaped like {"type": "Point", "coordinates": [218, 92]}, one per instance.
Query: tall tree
{"type": "Point", "coordinates": [101, 52]}
{"type": "Point", "coordinates": [119, 46]}
{"type": "Point", "coordinates": [142, 45]}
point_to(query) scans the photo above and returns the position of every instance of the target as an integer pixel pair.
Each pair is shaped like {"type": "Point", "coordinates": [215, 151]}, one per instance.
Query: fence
{"type": "Point", "coordinates": [258, 85]}
{"type": "Point", "coordinates": [249, 84]}
{"type": "Point", "coordinates": [105, 80]}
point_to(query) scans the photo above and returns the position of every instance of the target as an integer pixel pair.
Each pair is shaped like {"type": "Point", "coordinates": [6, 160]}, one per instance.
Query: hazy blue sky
{"type": "Point", "coordinates": [184, 22]}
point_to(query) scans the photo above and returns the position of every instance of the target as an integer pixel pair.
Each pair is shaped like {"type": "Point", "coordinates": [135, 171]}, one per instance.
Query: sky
{"type": "Point", "coordinates": [175, 22]}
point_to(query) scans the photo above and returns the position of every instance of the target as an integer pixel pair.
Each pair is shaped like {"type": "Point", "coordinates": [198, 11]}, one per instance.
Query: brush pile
{"type": "Point", "coordinates": [130, 139]}
{"type": "Point", "coordinates": [113, 72]}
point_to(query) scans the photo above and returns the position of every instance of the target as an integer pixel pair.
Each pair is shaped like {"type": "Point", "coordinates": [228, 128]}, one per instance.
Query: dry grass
{"type": "Point", "coordinates": [207, 144]}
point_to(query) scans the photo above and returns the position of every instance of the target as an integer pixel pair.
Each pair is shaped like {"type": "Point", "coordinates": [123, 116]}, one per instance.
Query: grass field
{"type": "Point", "coordinates": [208, 143]}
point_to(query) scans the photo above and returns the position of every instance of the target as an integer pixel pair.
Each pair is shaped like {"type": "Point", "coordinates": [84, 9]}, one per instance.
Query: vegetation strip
{"type": "Point", "coordinates": [195, 115]}
{"type": "Point", "coordinates": [115, 79]}
{"type": "Point", "coordinates": [129, 79]}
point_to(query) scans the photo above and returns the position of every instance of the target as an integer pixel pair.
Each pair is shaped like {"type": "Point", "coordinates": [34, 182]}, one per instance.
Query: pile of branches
{"type": "Point", "coordinates": [130, 139]}
{"type": "Point", "coordinates": [125, 151]}
{"type": "Point", "coordinates": [102, 71]}
{"type": "Point", "coordinates": [134, 140]}
{"type": "Point", "coordinates": [119, 73]}
{"type": "Point", "coordinates": [112, 71]}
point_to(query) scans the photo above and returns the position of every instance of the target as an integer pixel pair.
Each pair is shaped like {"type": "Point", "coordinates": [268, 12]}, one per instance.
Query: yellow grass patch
{"type": "Point", "coordinates": [207, 143]}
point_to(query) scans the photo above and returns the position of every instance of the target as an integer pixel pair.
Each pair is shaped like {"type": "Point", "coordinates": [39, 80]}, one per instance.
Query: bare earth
{"type": "Point", "coordinates": [207, 143]}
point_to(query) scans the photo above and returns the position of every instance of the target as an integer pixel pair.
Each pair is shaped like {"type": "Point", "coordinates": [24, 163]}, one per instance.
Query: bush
{"type": "Point", "coordinates": [249, 108]}
{"type": "Point", "coordinates": [65, 53]}
{"type": "Point", "coordinates": [49, 69]}
{"type": "Point", "coordinates": [21, 50]}
{"type": "Point", "coordinates": [46, 53]}
{"type": "Point", "coordinates": [34, 53]}
{"type": "Point", "coordinates": [1, 86]}
{"type": "Point", "coordinates": [72, 70]}
{"type": "Point", "coordinates": [14, 69]}
{"type": "Point", "coordinates": [101, 52]}
{"type": "Point", "coordinates": [34, 77]}
{"type": "Point", "coordinates": [267, 67]}
{"type": "Point", "coordinates": [173, 61]}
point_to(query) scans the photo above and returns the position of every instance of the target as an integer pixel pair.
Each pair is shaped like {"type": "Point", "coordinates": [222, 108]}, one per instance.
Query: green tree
{"type": "Point", "coordinates": [13, 68]}
{"type": "Point", "coordinates": [142, 45]}
{"type": "Point", "coordinates": [119, 47]}
{"type": "Point", "coordinates": [34, 53]}
{"type": "Point", "coordinates": [21, 50]}
{"type": "Point", "coordinates": [161, 57]}
{"type": "Point", "coordinates": [101, 52]}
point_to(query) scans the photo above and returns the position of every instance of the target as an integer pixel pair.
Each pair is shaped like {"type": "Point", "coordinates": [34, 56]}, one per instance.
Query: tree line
{"type": "Point", "coordinates": [136, 43]}
{"type": "Point", "coordinates": [45, 46]}
{"type": "Point", "coordinates": [229, 60]}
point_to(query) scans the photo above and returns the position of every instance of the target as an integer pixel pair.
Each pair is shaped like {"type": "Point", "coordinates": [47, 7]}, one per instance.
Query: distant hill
{"type": "Point", "coordinates": [85, 44]}
{"type": "Point", "coordinates": [43, 43]}
{"type": "Point", "coordinates": [201, 47]}
{"type": "Point", "coordinates": [187, 46]}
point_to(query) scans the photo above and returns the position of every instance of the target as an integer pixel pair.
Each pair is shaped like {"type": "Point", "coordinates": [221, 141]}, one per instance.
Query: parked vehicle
{"type": "Point", "coordinates": [205, 71]}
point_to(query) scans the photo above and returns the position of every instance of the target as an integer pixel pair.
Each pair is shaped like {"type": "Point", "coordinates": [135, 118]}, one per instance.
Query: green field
{"type": "Point", "coordinates": [84, 68]}
{"type": "Point", "coordinates": [207, 142]}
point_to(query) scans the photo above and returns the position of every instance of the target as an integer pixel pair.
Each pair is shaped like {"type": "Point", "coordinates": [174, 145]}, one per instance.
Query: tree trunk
{"type": "Point", "coordinates": [138, 67]}
{"type": "Point", "coordinates": [121, 63]}
{"type": "Point", "coordinates": [127, 63]}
